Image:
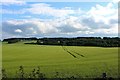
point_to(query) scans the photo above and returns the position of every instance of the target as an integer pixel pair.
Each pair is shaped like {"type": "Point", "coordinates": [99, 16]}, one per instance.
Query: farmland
{"type": "Point", "coordinates": [91, 61]}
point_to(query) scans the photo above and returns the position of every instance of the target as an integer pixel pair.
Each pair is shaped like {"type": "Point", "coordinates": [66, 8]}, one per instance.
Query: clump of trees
{"type": "Point", "coordinates": [15, 40]}
{"type": "Point", "coordinates": [81, 41]}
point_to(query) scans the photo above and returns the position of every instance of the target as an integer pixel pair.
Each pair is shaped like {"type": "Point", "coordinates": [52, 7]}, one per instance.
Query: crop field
{"type": "Point", "coordinates": [77, 61]}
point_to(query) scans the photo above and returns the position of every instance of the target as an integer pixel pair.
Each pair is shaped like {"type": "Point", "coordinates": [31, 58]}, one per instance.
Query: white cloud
{"type": "Point", "coordinates": [105, 18]}
{"type": "Point", "coordinates": [5, 11]}
{"type": "Point", "coordinates": [46, 9]}
{"type": "Point", "coordinates": [9, 2]}
{"type": "Point", "coordinates": [18, 30]}
{"type": "Point", "coordinates": [45, 27]}
{"type": "Point", "coordinates": [89, 32]}
{"type": "Point", "coordinates": [71, 25]}
{"type": "Point", "coordinates": [28, 27]}
{"type": "Point", "coordinates": [103, 13]}
{"type": "Point", "coordinates": [115, 1]}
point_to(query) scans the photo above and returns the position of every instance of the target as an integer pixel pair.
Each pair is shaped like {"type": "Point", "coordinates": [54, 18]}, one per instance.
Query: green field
{"type": "Point", "coordinates": [52, 59]}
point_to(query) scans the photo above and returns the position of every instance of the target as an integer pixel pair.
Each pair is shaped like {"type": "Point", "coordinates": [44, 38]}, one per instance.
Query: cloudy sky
{"type": "Point", "coordinates": [58, 19]}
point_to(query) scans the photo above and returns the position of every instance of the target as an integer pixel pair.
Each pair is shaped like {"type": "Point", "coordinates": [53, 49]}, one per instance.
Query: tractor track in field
{"type": "Point", "coordinates": [71, 52]}
{"type": "Point", "coordinates": [66, 50]}
{"type": "Point", "coordinates": [78, 54]}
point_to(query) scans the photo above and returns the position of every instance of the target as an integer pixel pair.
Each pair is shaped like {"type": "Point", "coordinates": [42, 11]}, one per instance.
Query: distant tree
{"type": "Point", "coordinates": [13, 41]}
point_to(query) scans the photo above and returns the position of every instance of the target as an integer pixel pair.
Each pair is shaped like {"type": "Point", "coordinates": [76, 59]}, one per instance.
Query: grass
{"type": "Point", "coordinates": [52, 59]}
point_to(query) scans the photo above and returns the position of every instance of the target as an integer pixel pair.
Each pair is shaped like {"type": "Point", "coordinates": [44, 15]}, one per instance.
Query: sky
{"type": "Point", "coordinates": [58, 19]}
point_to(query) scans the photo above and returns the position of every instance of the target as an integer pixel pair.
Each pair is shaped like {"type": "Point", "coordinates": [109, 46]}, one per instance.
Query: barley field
{"type": "Point", "coordinates": [77, 61]}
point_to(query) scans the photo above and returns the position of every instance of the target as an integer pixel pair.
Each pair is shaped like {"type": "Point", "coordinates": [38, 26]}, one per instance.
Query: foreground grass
{"type": "Point", "coordinates": [52, 59]}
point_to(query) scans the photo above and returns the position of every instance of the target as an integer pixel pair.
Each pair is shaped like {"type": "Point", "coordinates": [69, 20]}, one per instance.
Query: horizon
{"type": "Point", "coordinates": [59, 37]}
{"type": "Point", "coordinates": [62, 37]}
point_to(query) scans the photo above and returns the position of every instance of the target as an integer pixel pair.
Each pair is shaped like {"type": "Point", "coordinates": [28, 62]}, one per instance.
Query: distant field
{"type": "Point", "coordinates": [89, 61]}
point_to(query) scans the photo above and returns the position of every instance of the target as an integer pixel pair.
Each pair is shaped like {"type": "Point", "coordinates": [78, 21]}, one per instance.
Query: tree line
{"type": "Point", "coordinates": [81, 41]}
{"type": "Point", "coordinates": [15, 40]}
{"type": "Point", "coordinates": [77, 41]}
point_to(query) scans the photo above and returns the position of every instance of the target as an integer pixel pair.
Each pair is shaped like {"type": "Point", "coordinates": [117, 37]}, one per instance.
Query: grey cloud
{"type": "Point", "coordinates": [67, 28]}
{"type": "Point", "coordinates": [94, 25]}
{"type": "Point", "coordinates": [10, 28]}
{"type": "Point", "coordinates": [113, 21]}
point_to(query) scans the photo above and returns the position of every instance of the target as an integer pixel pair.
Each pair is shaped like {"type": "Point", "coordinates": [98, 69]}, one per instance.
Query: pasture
{"type": "Point", "coordinates": [86, 62]}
